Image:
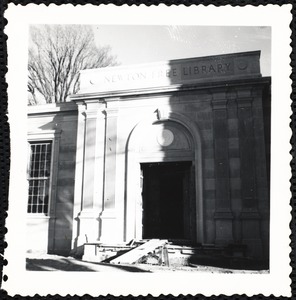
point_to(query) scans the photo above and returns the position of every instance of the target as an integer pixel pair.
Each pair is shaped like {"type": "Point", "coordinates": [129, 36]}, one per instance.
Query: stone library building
{"type": "Point", "coordinates": [175, 151]}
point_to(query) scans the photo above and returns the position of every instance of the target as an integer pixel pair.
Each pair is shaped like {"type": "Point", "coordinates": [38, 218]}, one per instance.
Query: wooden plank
{"type": "Point", "coordinates": [138, 252]}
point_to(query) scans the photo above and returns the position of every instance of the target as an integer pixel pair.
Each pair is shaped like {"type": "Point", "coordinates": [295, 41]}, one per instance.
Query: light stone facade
{"type": "Point", "coordinates": [128, 127]}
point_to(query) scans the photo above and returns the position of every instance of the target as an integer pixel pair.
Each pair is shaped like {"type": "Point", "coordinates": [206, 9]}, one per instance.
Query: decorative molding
{"type": "Point", "coordinates": [244, 102]}
{"type": "Point", "coordinates": [43, 134]}
{"type": "Point", "coordinates": [165, 137]}
{"type": "Point", "coordinates": [54, 137]}
{"type": "Point", "coordinates": [110, 112]}
{"type": "Point", "coordinates": [219, 99]}
{"type": "Point", "coordinates": [219, 103]}
{"type": "Point", "coordinates": [223, 215]}
{"type": "Point", "coordinates": [250, 215]}
{"type": "Point", "coordinates": [88, 214]}
{"type": "Point", "coordinates": [51, 108]}
{"type": "Point", "coordinates": [134, 94]}
{"type": "Point", "coordinates": [108, 214]}
{"type": "Point", "coordinates": [162, 114]}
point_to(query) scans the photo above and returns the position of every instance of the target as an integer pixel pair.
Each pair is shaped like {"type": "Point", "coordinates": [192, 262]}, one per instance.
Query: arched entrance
{"type": "Point", "coordinates": [163, 197]}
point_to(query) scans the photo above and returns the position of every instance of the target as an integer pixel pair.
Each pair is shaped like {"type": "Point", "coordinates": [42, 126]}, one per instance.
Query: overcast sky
{"type": "Point", "coordinates": [143, 44]}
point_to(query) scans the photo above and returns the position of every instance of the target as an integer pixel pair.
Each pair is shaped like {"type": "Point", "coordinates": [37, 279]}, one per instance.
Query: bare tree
{"type": "Point", "coordinates": [56, 55]}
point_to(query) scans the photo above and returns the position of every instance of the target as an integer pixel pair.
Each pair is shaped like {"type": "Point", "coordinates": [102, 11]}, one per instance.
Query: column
{"type": "Point", "coordinates": [223, 214]}
{"type": "Point", "coordinates": [78, 174]}
{"type": "Point", "coordinates": [109, 228]}
{"type": "Point", "coordinates": [234, 165]}
{"type": "Point", "coordinates": [86, 183]}
{"type": "Point", "coordinates": [249, 215]}
{"type": "Point", "coordinates": [262, 145]}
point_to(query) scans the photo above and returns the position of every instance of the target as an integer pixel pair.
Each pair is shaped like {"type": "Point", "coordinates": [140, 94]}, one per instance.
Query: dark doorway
{"type": "Point", "coordinates": [167, 201]}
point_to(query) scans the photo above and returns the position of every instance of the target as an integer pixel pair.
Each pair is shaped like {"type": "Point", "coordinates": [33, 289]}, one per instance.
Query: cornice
{"type": "Point", "coordinates": [169, 90]}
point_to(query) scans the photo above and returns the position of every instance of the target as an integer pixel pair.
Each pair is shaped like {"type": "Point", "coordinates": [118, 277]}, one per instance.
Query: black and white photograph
{"type": "Point", "coordinates": [155, 164]}
{"type": "Point", "coordinates": [149, 149]}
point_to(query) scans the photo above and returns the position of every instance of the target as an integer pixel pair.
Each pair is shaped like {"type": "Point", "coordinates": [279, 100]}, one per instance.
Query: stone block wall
{"type": "Point", "coordinates": [57, 233]}
{"type": "Point", "coordinates": [233, 136]}
{"type": "Point", "coordinates": [235, 127]}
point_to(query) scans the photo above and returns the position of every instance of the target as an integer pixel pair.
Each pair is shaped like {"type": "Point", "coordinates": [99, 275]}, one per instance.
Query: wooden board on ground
{"type": "Point", "coordinates": [134, 255]}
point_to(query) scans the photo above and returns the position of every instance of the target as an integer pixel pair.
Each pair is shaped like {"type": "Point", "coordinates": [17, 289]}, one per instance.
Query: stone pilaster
{"type": "Point", "coordinates": [262, 146]}
{"type": "Point", "coordinates": [234, 165]}
{"type": "Point", "coordinates": [109, 231]}
{"type": "Point", "coordinates": [249, 215]}
{"type": "Point", "coordinates": [86, 175]}
{"type": "Point", "coordinates": [223, 214]}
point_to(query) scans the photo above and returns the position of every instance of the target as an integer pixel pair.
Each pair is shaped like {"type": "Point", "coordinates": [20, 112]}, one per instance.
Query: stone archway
{"type": "Point", "coordinates": [134, 156]}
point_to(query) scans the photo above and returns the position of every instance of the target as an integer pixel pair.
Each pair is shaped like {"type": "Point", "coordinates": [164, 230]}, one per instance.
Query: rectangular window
{"type": "Point", "coordinates": [39, 176]}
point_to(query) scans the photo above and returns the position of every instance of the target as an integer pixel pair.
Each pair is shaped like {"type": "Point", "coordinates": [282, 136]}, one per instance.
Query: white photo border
{"type": "Point", "coordinates": [23, 282]}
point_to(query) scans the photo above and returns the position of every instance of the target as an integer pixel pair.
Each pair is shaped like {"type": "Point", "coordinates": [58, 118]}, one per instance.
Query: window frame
{"type": "Point", "coordinates": [52, 136]}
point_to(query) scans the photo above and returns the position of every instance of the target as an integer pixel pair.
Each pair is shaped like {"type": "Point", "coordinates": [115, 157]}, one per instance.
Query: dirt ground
{"type": "Point", "coordinates": [45, 262]}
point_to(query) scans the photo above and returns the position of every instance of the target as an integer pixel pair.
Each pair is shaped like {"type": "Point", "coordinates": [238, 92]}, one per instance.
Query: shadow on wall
{"type": "Point", "coordinates": [63, 178]}
{"type": "Point", "coordinates": [234, 131]}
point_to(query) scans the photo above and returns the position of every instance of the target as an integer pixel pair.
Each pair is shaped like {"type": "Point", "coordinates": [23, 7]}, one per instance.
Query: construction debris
{"type": "Point", "coordinates": [139, 252]}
